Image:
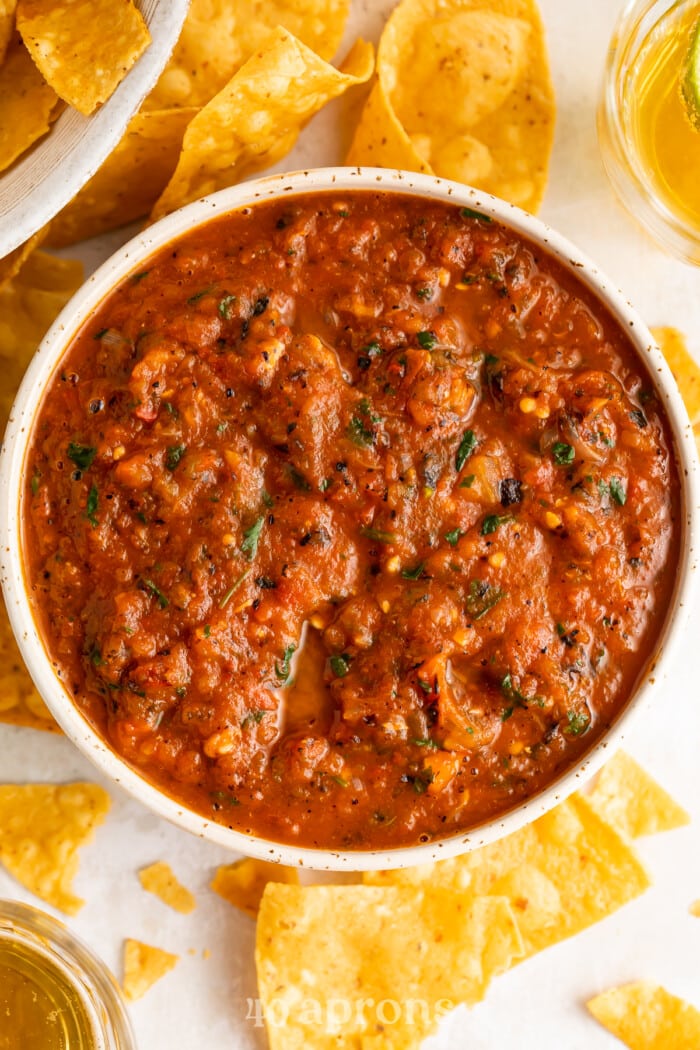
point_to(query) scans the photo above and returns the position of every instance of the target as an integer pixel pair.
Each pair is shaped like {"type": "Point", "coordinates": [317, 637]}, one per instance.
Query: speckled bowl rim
{"type": "Point", "coordinates": [43, 366]}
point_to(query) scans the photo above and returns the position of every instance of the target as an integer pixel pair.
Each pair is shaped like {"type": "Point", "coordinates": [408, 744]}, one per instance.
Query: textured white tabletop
{"type": "Point", "coordinates": [537, 1006]}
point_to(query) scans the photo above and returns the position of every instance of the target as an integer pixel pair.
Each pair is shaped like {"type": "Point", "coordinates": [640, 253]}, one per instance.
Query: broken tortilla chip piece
{"type": "Point", "coordinates": [83, 48]}
{"type": "Point", "coordinates": [159, 879]}
{"type": "Point", "coordinates": [220, 35]}
{"type": "Point", "coordinates": [685, 368]}
{"type": "Point", "coordinates": [143, 966]}
{"type": "Point", "coordinates": [536, 867]}
{"type": "Point", "coordinates": [627, 797]}
{"type": "Point", "coordinates": [647, 1017]}
{"type": "Point", "coordinates": [243, 883]}
{"type": "Point", "coordinates": [20, 704]}
{"type": "Point", "coordinates": [418, 953]}
{"type": "Point", "coordinates": [27, 104]}
{"type": "Point", "coordinates": [257, 117]}
{"type": "Point", "coordinates": [129, 182]}
{"type": "Point", "coordinates": [42, 827]}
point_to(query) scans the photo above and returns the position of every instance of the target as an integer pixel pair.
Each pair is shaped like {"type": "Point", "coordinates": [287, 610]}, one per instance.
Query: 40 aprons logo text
{"type": "Point", "coordinates": [330, 1015]}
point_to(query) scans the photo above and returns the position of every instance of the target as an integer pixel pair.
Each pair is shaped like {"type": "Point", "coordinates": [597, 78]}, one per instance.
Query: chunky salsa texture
{"type": "Point", "coordinates": [351, 520]}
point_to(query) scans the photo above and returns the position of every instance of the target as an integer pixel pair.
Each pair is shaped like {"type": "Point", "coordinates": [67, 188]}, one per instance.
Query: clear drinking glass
{"type": "Point", "coordinates": [649, 142]}
{"type": "Point", "coordinates": [65, 970]}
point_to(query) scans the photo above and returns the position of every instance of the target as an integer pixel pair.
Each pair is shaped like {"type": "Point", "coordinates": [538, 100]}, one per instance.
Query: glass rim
{"type": "Point", "coordinates": [90, 977]}
{"type": "Point", "coordinates": [620, 158]}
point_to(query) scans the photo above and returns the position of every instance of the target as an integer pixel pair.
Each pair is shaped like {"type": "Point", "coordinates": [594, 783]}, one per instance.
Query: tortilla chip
{"type": "Point", "coordinates": [160, 880]}
{"type": "Point", "coordinates": [143, 966]}
{"type": "Point", "coordinates": [562, 873]}
{"type": "Point", "coordinates": [627, 797]}
{"type": "Point", "coordinates": [243, 883]}
{"type": "Point", "coordinates": [469, 82]}
{"type": "Point", "coordinates": [324, 951]}
{"type": "Point", "coordinates": [83, 48]}
{"type": "Point", "coordinates": [42, 827]}
{"type": "Point", "coordinates": [7, 25]}
{"type": "Point", "coordinates": [129, 182]}
{"type": "Point", "coordinates": [380, 138]}
{"type": "Point", "coordinates": [11, 264]}
{"type": "Point", "coordinates": [20, 704]}
{"type": "Point", "coordinates": [220, 35]}
{"type": "Point", "coordinates": [257, 117]}
{"type": "Point", "coordinates": [27, 104]}
{"type": "Point", "coordinates": [647, 1017]}
{"type": "Point", "coordinates": [685, 368]}
{"type": "Point", "coordinates": [694, 909]}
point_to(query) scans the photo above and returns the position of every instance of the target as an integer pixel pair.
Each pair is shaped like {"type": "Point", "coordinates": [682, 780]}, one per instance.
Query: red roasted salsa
{"type": "Point", "coordinates": [351, 520]}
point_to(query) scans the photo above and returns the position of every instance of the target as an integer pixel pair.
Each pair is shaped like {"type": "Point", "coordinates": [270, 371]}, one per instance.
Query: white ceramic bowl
{"type": "Point", "coordinates": [133, 255]}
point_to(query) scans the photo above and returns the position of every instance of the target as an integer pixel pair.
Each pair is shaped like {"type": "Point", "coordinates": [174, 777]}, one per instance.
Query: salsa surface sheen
{"type": "Point", "coordinates": [351, 521]}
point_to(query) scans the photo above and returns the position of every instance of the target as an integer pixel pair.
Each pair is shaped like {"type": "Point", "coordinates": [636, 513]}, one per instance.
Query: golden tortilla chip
{"type": "Point", "coordinates": [27, 104]}
{"type": "Point", "coordinates": [469, 82]}
{"type": "Point", "coordinates": [11, 264]}
{"type": "Point", "coordinates": [83, 48]}
{"type": "Point", "coordinates": [627, 797]}
{"type": "Point", "coordinates": [42, 827]}
{"type": "Point", "coordinates": [220, 35]}
{"type": "Point", "coordinates": [257, 117]}
{"type": "Point", "coordinates": [694, 909]}
{"type": "Point", "coordinates": [7, 25]}
{"type": "Point", "coordinates": [143, 966]}
{"type": "Point", "coordinates": [129, 182]}
{"type": "Point", "coordinates": [562, 873]}
{"type": "Point", "coordinates": [20, 704]}
{"type": "Point", "coordinates": [685, 368]}
{"type": "Point", "coordinates": [243, 883]}
{"type": "Point", "coordinates": [331, 958]}
{"type": "Point", "coordinates": [647, 1017]}
{"type": "Point", "coordinates": [160, 880]}
{"type": "Point", "coordinates": [380, 139]}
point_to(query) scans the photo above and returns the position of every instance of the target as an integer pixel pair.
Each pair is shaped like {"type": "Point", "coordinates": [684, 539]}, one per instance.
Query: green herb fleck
{"type": "Point", "coordinates": [414, 574]}
{"type": "Point", "coordinates": [220, 798]}
{"type": "Point", "coordinates": [92, 504]}
{"type": "Point", "coordinates": [207, 630]}
{"type": "Point", "coordinates": [102, 331]}
{"type": "Point", "coordinates": [200, 295]}
{"type": "Point", "coordinates": [283, 666]}
{"type": "Point", "coordinates": [82, 455]}
{"type": "Point", "coordinates": [253, 718]}
{"type": "Point", "coordinates": [377, 534]}
{"type": "Point", "coordinates": [224, 306]}
{"type": "Point", "coordinates": [251, 538]}
{"type": "Point", "coordinates": [425, 742]}
{"type": "Point", "coordinates": [34, 484]}
{"type": "Point", "coordinates": [493, 521]}
{"type": "Point", "coordinates": [157, 593]}
{"type": "Point", "coordinates": [359, 433]}
{"type": "Point", "coordinates": [466, 447]}
{"type": "Point", "coordinates": [427, 340]}
{"type": "Point", "coordinates": [137, 277]}
{"type": "Point", "coordinates": [469, 213]}
{"type": "Point", "coordinates": [617, 491]}
{"type": "Point", "coordinates": [325, 484]}
{"type": "Point", "coordinates": [453, 536]}
{"type": "Point", "coordinates": [341, 781]}
{"type": "Point", "coordinates": [233, 588]}
{"type": "Point", "coordinates": [467, 481]}
{"type": "Point", "coordinates": [173, 455]}
{"type": "Point", "coordinates": [577, 723]}
{"type": "Point", "coordinates": [562, 453]}
{"type": "Point", "coordinates": [424, 293]}
{"type": "Point", "coordinates": [423, 780]}
{"type": "Point", "coordinates": [340, 664]}
{"type": "Point", "coordinates": [482, 598]}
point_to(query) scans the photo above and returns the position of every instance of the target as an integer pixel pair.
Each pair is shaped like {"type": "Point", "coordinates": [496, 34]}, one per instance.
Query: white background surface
{"type": "Point", "coordinates": [539, 1005]}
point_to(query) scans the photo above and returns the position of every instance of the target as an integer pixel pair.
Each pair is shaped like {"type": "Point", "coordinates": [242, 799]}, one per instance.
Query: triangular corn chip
{"type": "Point", "coordinates": [685, 368]}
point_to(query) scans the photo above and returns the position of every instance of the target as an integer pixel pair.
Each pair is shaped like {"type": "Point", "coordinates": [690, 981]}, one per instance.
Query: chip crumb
{"type": "Point", "coordinates": [160, 880]}
{"type": "Point", "coordinates": [42, 827]}
{"type": "Point", "coordinates": [143, 966]}
{"type": "Point", "coordinates": [243, 883]}
{"type": "Point", "coordinates": [645, 1016]}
